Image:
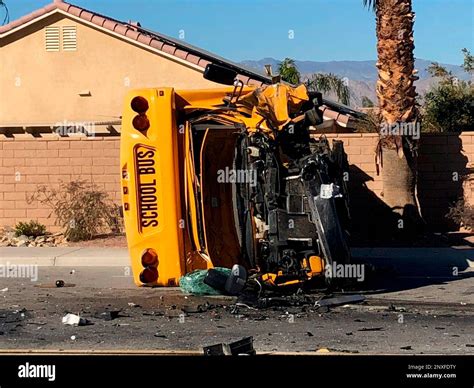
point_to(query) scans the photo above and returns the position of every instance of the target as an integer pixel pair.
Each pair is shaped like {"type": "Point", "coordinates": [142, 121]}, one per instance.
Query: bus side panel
{"type": "Point", "coordinates": [150, 187]}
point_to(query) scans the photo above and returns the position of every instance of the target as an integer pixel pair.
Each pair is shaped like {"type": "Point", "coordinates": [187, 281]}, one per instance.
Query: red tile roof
{"type": "Point", "coordinates": [166, 44]}
{"type": "Point", "coordinates": [133, 31]}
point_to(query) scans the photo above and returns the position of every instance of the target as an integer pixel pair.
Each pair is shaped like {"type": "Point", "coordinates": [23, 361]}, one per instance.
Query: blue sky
{"type": "Point", "coordinates": [322, 30]}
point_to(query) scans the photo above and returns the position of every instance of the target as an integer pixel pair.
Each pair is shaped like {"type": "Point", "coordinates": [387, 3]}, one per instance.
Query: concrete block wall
{"type": "Point", "coordinates": [26, 162]}
{"type": "Point", "coordinates": [445, 174]}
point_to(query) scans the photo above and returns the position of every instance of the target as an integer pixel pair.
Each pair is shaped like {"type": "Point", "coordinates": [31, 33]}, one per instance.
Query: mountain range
{"type": "Point", "coordinates": [362, 75]}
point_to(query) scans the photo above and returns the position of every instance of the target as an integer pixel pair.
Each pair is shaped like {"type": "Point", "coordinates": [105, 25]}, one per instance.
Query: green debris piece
{"type": "Point", "coordinates": [193, 282]}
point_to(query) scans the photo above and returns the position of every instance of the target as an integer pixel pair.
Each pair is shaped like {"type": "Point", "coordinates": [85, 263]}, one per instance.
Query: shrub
{"type": "Point", "coordinates": [449, 107]}
{"type": "Point", "coordinates": [115, 219]}
{"type": "Point", "coordinates": [462, 214]}
{"type": "Point", "coordinates": [30, 229]}
{"type": "Point", "coordinates": [80, 208]}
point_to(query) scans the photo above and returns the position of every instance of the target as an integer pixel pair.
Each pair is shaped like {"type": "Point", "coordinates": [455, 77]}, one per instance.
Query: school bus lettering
{"type": "Point", "coordinates": [147, 189]}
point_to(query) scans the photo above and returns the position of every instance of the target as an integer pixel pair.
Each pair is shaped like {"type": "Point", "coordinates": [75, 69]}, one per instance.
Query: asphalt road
{"type": "Point", "coordinates": [417, 314]}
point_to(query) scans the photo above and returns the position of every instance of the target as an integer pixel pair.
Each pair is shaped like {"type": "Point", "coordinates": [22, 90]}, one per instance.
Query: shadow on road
{"type": "Point", "coordinates": [397, 269]}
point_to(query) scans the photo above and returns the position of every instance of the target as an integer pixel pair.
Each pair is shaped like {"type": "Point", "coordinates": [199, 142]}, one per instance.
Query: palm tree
{"type": "Point", "coordinates": [288, 71]}
{"type": "Point", "coordinates": [321, 82]}
{"type": "Point", "coordinates": [330, 82]}
{"type": "Point", "coordinates": [396, 96]}
{"type": "Point", "coordinates": [468, 64]}
{"type": "Point", "coordinates": [6, 19]}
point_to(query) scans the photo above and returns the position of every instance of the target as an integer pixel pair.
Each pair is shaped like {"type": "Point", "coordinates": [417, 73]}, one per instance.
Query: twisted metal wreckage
{"type": "Point", "coordinates": [231, 178]}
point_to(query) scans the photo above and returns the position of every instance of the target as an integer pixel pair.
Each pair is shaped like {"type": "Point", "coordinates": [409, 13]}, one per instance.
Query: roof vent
{"type": "Point", "coordinates": [52, 38]}
{"type": "Point", "coordinates": [69, 38]}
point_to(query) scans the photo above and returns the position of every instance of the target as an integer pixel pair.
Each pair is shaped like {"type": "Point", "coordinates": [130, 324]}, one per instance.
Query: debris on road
{"type": "Point", "coordinates": [241, 347]}
{"type": "Point", "coordinates": [56, 284]}
{"type": "Point", "coordinates": [339, 301]}
{"type": "Point", "coordinates": [110, 315]}
{"type": "Point", "coordinates": [406, 347]}
{"type": "Point", "coordinates": [254, 301]}
{"type": "Point", "coordinates": [371, 329]}
{"type": "Point", "coordinates": [74, 320]}
{"type": "Point", "coordinates": [193, 282]}
{"type": "Point", "coordinates": [227, 283]}
{"type": "Point", "coordinates": [153, 314]}
{"type": "Point", "coordinates": [131, 304]}
{"type": "Point", "coordinates": [392, 307]}
{"type": "Point", "coordinates": [323, 350]}
{"type": "Point", "coordinates": [343, 351]}
{"type": "Point", "coordinates": [60, 283]}
{"type": "Point", "coordinates": [175, 313]}
{"type": "Point", "coordinates": [200, 308]}
{"type": "Point", "coordinates": [348, 306]}
{"type": "Point", "coordinates": [4, 289]}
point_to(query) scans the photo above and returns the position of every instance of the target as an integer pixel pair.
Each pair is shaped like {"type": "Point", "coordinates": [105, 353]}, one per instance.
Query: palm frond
{"type": "Point", "coordinates": [327, 83]}
{"type": "Point", "coordinates": [289, 72]}
{"type": "Point", "coordinates": [370, 4]}
{"type": "Point", "coordinates": [6, 19]}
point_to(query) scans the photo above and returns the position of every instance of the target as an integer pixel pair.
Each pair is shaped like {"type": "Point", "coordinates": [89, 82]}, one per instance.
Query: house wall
{"type": "Point", "coordinates": [40, 87]}
{"type": "Point", "coordinates": [26, 162]}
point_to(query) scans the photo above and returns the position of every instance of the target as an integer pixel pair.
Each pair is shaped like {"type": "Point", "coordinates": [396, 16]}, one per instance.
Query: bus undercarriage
{"type": "Point", "coordinates": [214, 178]}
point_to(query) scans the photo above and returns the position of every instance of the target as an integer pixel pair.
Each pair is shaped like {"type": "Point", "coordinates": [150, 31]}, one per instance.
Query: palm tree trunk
{"type": "Point", "coordinates": [397, 102]}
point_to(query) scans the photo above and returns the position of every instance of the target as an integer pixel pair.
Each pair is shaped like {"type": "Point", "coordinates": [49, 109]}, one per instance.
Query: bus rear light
{"type": "Point", "coordinates": [141, 122]}
{"type": "Point", "coordinates": [150, 258]}
{"type": "Point", "coordinates": [149, 275]}
{"type": "Point", "coordinates": [139, 104]}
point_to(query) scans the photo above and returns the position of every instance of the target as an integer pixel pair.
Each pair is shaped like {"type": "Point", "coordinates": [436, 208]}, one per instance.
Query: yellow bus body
{"type": "Point", "coordinates": [157, 175]}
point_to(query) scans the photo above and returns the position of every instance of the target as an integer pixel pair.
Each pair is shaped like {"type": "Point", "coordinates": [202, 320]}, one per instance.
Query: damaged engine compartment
{"type": "Point", "coordinates": [289, 196]}
{"type": "Point", "coordinates": [294, 219]}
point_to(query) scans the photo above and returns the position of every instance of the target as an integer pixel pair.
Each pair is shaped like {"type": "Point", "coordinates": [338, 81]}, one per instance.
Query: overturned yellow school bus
{"type": "Point", "coordinates": [213, 178]}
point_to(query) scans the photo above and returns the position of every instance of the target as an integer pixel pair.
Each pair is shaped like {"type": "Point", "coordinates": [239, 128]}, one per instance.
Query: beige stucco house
{"type": "Point", "coordinates": [65, 63]}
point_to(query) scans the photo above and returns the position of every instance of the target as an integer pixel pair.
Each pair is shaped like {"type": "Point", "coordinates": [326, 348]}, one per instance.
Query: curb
{"type": "Point", "coordinates": [65, 257]}
{"type": "Point", "coordinates": [118, 257]}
